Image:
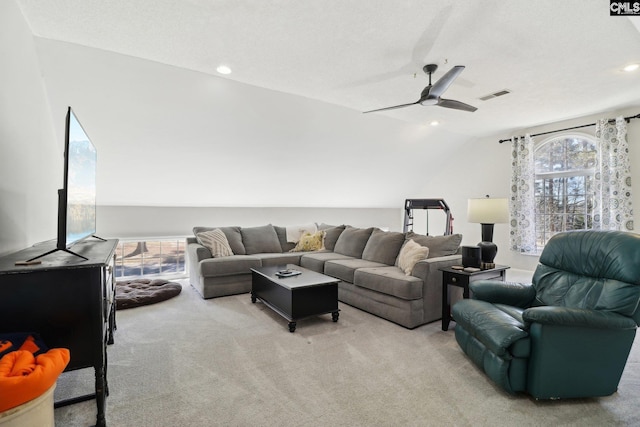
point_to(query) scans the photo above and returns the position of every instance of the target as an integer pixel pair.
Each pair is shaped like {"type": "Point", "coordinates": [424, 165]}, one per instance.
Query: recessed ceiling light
{"type": "Point", "coordinates": [223, 69]}
{"type": "Point", "coordinates": [434, 123]}
{"type": "Point", "coordinates": [631, 67]}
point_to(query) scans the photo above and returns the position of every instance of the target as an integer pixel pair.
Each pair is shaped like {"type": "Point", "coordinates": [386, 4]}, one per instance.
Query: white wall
{"type": "Point", "coordinates": [31, 157]}
{"type": "Point", "coordinates": [173, 137]}
{"type": "Point", "coordinates": [150, 221]}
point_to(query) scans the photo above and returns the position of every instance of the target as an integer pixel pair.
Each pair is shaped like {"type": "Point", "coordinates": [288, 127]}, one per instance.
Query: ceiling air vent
{"type": "Point", "coordinates": [495, 94]}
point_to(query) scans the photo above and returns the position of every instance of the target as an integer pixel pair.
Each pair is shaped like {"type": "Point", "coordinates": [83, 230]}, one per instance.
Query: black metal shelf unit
{"type": "Point", "coordinates": [411, 204]}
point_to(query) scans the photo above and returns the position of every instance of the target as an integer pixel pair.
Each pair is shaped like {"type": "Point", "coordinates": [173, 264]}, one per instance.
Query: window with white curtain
{"type": "Point", "coordinates": [570, 182]}
{"type": "Point", "coordinates": [563, 185]}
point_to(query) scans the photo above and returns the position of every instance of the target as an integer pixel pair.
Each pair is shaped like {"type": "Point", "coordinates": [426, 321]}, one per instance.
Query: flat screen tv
{"type": "Point", "coordinates": [79, 185]}
{"type": "Point", "coordinates": [77, 198]}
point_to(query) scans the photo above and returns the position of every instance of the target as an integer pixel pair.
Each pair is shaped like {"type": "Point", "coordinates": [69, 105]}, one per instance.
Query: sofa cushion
{"type": "Point", "coordinates": [228, 266]}
{"type": "Point", "coordinates": [410, 254]}
{"type": "Point", "coordinates": [344, 269]}
{"type": "Point", "coordinates": [233, 237]}
{"type": "Point", "coordinates": [282, 237]}
{"type": "Point", "coordinates": [315, 260]}
{"type": "Point", "coordinates": [310, 242]}
{"type": "Point", "coordinates": [438, 245]}
{"type": "Point", "coordinates": [331, 236]}
{"type": "Point", "coordinates": [268, 259]}
{"type": "Point", "coordinates": [389, 280]}
{"type": "Point", "coordinates": [216, 242]}
{"type": "Point", "coordinates": [352, 241]}
{"type": "Point", "coordinates": [258, 240]}
{"type": "Point", "coordinates": [383, 246]}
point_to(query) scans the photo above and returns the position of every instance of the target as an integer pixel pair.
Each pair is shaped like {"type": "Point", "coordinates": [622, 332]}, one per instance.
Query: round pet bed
{"type": "Point", "coordinates": [134, 293]}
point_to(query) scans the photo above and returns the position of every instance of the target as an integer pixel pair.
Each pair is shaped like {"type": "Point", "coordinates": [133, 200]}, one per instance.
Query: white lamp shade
{"type": "Point", "coordinates": [488, 211]}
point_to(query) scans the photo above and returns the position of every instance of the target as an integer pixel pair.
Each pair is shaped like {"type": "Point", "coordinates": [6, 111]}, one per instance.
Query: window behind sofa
{"type": "Point", "coordinates": [150, 257]}
{"type": "Point", "coordinates": [563, 186]}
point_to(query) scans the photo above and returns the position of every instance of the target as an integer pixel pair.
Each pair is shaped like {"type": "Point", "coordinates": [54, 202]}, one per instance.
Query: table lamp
{"type": "Point", "coordinates": [487, 212]}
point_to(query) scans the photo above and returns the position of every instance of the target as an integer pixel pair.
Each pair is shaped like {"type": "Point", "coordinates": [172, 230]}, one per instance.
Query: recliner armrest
{"type": "Point", "coordinates": [579, 317]}
{"type": "Point", "coordinates": [508, 293]}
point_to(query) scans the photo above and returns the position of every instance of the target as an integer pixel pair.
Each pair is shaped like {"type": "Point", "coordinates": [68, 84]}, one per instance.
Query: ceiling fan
{"type": "Point", "coordinates": [431, 94]}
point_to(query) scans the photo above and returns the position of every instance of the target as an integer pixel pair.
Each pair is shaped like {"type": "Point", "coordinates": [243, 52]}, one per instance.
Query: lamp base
{"type": "Point", "coordinates": [488, 252]}
{"type": "Point", "coordinates": [487, 265]}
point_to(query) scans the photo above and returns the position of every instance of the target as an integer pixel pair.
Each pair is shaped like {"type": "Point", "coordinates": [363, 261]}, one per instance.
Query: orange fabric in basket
{"type": "Point", "coordinates": [30, 345]}
{"type": "Point", "coordinates": [24, 377]}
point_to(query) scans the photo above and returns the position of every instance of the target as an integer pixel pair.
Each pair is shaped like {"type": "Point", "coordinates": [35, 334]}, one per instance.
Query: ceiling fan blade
{"type": "Point", "coordinates": [428, 38]}
{"type": "Point", "coordinates": [456, 105]}
{"type": "Point", "coordinates": [445, 81]}
{"type": "Point", "coordinates": [391, 108]}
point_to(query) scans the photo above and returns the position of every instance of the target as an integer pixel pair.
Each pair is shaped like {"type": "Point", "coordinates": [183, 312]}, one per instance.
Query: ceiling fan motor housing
{"type": "Point", "coordinates": [430, 68]}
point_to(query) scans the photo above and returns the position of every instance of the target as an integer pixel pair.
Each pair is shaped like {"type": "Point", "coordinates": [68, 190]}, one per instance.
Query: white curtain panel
{"type": "Point", "coordinates": [612, 202]}
{"type": "Point", "coordinates": [521, 206]}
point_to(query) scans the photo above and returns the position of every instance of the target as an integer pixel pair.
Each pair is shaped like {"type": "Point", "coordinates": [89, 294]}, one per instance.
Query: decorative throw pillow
{"type": "Point", "coordinates": [310, 242]}
{"type": "Point", "coordinates": [383, 246]}
{"type": "Point", "coordinates": [352, 241]}
{"type": "Point", "coordinates": [260, 240]}
{"type": "Point", "coordinates": [331, 236]}
{"type": "Point", "coordinates": [233, 237]}
{"type": "Point", "coordinates": [410, 254]}
{"type": "Point", "coordinates": [295, 232]}
{"type": "Point", "coordinates": [216, 241]}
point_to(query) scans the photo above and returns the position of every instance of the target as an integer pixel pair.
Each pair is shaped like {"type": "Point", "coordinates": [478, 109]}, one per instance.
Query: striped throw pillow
{"type": "Point", "coordinates": [216, 242]}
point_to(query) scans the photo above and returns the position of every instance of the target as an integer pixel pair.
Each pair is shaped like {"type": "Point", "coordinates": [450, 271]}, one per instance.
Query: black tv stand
{"type": "Point", "coordinates": [70, 303]}
{"type": "Point", "coordinates": [53, 251]}
{"type": "Point", "coordinates": [64, 250]}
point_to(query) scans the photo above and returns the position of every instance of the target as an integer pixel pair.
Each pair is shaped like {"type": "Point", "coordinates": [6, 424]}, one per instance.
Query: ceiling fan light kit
{"type": "Point", "coordinates": [429, 101]}
{"type": "Point", "coordinates": [431, 95]}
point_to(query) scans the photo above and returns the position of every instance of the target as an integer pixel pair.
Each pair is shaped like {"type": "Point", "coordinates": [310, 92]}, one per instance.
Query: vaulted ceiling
{"type": "Point", "coordinates": [558, 59]}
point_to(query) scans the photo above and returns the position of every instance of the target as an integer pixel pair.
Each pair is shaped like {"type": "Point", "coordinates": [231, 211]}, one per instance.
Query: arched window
{"type": "Point", "coordinates": [564, 184]}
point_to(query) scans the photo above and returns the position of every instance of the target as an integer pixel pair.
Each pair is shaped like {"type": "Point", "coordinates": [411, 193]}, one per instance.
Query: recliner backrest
{"type": "Point", "coordinates": [598, 270]}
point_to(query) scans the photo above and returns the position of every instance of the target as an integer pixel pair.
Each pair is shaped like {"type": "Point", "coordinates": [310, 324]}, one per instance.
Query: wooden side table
{"type": "Point", "coordinates": [462, 279]}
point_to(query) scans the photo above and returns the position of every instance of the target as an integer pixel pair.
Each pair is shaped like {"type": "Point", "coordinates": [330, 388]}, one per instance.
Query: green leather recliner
{"type": "Point", "coordinates": [569, 333]}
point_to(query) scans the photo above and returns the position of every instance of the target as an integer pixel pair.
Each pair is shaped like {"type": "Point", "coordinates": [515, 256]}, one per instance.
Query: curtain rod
{"type": "Point", "coordinates": [627, 119]}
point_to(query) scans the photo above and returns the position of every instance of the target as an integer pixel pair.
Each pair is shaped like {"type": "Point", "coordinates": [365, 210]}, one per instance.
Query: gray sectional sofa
{"type": "Point", "coordinates": [364, 259]}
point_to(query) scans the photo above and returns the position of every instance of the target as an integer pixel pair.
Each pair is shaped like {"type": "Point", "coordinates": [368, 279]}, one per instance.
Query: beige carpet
{"type": "Point", "coordinates": [227, 362]}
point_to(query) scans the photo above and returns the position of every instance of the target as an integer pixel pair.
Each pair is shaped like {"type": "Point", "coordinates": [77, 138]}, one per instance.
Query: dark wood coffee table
{"type": "Point", "coordinates": [296, 297]}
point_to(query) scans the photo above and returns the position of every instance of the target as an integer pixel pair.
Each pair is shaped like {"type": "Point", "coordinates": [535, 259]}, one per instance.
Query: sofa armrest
{"type": "Point", "coordinates": [509, 293]}
{"type": "Point", "coordinates": [196, 252]}
{"type": "Point", "coordinates": [428, 268]}
{"type": "Point", "coordinates": [578, 317]}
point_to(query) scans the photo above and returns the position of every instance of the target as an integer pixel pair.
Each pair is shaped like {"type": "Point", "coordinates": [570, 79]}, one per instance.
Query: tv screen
{"type": "Point", "coordinates": [79, 183]}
